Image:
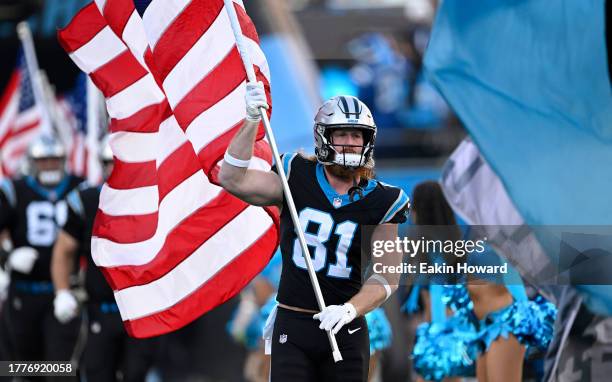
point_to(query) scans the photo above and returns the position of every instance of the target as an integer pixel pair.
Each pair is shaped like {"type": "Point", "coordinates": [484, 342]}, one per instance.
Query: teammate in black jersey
{"type": "Point", "coordinates": [335, 197]}
{"type": "Point", "coordinates": [30, 210]}
{"type": "Point", "coordinates": [108, 350]}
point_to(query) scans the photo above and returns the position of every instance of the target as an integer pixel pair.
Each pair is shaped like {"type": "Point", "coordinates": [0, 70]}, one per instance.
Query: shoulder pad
{"type": "Point", "coordinates": [75, 202]}
{"type": "Point", "coordinates": [8, 189]}
{"type": "Point", "coordinates": [400, 202]}
{"type": "Point", "coordinates": [287, 160]}
{"type": "Point", "coordinates": [83, 185]}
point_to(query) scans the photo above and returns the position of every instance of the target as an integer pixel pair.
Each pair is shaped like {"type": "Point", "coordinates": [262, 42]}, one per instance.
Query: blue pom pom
{"type": "Point", "coordinates": [531, 322]}
{"type": "Point", "coordinates": [457, 297]}
{"type": "Point", "coordinates": [412, 302]}
{"type": "Point", "coordinates": [379, 329]}
{"type": "Point", "coordinates": [445, 350]}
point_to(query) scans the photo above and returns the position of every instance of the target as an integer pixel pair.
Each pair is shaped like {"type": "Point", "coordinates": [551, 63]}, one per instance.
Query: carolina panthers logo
{"type": "Point", "coordinates": [350, 107]}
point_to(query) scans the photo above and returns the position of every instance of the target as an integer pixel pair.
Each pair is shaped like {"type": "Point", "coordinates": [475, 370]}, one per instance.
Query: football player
{"type": "Point", "coordinates": [31, 208]}
{"type": "Point", "coordinates": [108, 350]}
{"type": "Point", "coordinates": [335, 197]}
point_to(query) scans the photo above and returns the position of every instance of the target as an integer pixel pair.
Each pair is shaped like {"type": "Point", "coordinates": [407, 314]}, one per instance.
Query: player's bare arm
{"type": "Point", "coordinates": [377, 287]}
{"type": "Point", "coordinates": [255, 187]}
{"type": "Point", "coordinates": [65, 305]}
{"type": "Point", "coordinates": [376, 290]}
{"type": "Point", "coordinates": [4, 237]}
{"type": "Point", "coordinates": [64, 252]}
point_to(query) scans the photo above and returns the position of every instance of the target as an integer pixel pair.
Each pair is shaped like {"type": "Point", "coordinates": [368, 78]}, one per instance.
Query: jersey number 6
{"type": "Point", "coordinates": [43, 217]}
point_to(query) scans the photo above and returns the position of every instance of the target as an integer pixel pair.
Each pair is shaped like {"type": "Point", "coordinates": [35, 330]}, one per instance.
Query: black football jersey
{"type": "Point", "coordinates": [332, 226]}
{"type": "Point", "coordinates": [31, 213]}
{"type": "Point", "coordinates": [82, 208]}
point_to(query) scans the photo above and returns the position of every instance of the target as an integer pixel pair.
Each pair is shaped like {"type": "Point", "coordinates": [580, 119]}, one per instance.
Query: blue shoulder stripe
{"type": "Point", "coordinates": [84, 185]}
{"type": "Point", "coordinates": [399, 203]}
{"type": "Point", "coordinates": [287, 159]}
{"type": "Point", "coordinates": [9, 191]}
{"type": "Point", "coordinates": [74, 201]}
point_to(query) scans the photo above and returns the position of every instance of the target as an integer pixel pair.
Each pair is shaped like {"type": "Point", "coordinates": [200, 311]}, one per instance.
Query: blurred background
{"type": "Point", "coordinates": [316, 49]}
{"type": "Point", "coordinates": [371, 49]}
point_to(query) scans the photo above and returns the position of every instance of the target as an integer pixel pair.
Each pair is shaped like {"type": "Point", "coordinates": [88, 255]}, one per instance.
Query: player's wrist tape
{"type": "Point", "coordinates": [235, 161]}
{"type": "Point", "coordinates": [382, 281]}
{"type": "Point", "coordinates": [253, 117]}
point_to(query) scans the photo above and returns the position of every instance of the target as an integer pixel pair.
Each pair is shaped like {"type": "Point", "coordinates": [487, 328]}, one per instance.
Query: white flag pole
{"type": "Point", "coordinates": [55, 114]}
{"type": "Point", "coordinates": [246, 59]}
{"type": "Point", "coordinates": [25, 35]}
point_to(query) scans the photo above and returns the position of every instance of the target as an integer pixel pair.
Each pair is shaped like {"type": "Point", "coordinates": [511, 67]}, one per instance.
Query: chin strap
{"type": "Point", "coordinates": [356, 189]}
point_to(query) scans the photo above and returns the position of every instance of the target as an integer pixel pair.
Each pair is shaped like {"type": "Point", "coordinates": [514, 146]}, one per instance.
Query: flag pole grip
{"type": "Point", "coordinates": [248, 65]}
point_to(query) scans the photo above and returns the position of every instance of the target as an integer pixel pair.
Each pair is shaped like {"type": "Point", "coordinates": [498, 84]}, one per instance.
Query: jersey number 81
{"type": "Point", "coordinates": [345, 230]}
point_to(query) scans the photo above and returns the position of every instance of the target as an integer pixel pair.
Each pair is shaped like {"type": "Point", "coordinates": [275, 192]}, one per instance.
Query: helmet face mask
{"type": "Point", "coordinates": [49, 171]}
{"type": "Point", "coordinates": [47, 160]}
{"type": "Point", "coordinates": [344, 112]}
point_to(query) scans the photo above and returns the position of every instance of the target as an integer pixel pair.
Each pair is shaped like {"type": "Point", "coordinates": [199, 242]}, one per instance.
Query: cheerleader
{"type": "Point", "coordinates": [510, 325]}
{"type": "Point", "coordinates": [492, 325]}
{"type": "Point", "coordinates": [445, 343]}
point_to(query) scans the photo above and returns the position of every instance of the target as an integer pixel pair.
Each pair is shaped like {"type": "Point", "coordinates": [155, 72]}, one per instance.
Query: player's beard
{"type": "Point", "coordinates": [350, 173]}
{"type": "Point", "coordinates": [347, 173]}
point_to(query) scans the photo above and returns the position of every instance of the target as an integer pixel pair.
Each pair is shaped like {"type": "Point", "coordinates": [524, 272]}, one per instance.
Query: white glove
{"type": "Point", "coordinates": [336, 316]}
{"type": "Point", "coordinates": [22, 259]}
{"type": "Point", "coordinates": [255, 98]}
{"type": "Point", "coordinates": [65, 306]}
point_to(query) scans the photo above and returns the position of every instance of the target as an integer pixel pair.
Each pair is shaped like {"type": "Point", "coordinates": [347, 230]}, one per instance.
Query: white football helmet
{"type": "Point", "coordinates": [342, 112]}
{"type": "Point", "coordinates": [47, 147]}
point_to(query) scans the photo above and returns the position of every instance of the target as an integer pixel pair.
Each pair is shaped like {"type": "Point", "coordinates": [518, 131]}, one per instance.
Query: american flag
{"type": "Point", "coordinates": [20, 118]}
{"type": "Point", "coordinates": [171, 243]}
{"type": "Point", "coordinates": [72, 107]}
{"type": "Point", "coordinates": [82, 138]}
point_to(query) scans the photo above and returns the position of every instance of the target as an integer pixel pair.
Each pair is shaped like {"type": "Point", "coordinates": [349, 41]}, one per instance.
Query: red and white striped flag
{"type": "Point", "coordinates": [79, 119]}
{"type": "Point", "coordinates": [75, 140]}
{"type": "Point", "coordinates": [20, 119]}
{"type": "Point", "coordinates": [71, 111]}
{"type": "Point", "coordinates": [171, 243]}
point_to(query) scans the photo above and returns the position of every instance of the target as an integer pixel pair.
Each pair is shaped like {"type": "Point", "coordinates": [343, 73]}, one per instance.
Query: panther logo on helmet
{"type": "Point", "coordinates": [342, 112]}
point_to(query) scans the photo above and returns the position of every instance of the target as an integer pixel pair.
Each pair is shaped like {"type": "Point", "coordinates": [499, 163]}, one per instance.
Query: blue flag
{"type": "Point", "coordinates": [530, 81]}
